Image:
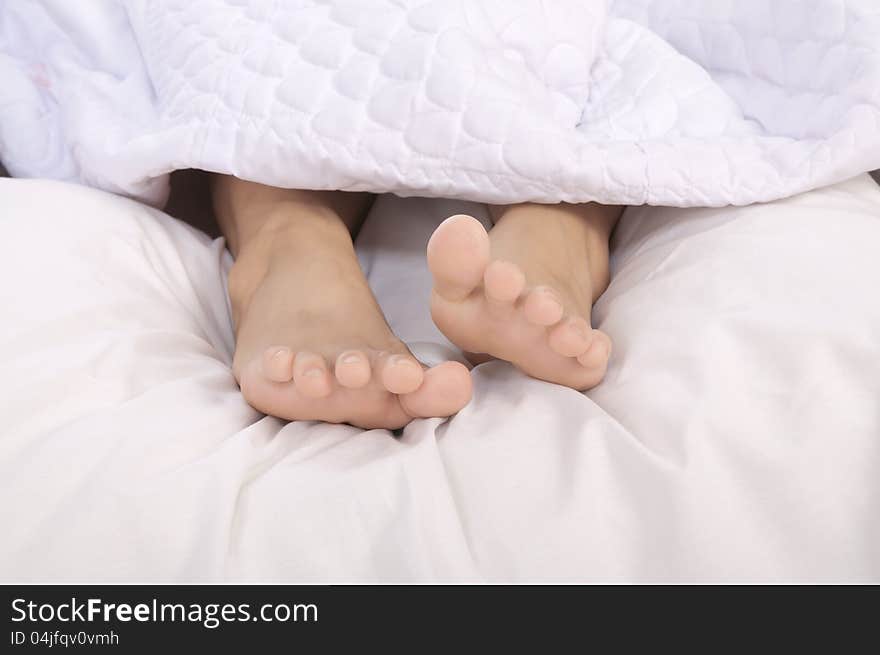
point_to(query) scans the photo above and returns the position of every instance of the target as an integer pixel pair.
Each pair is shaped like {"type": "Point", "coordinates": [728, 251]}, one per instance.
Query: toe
{"type": "Point", "coordinates": [402, 374]}
{"type": "Point", "coordinates": [278, 364]}
{"type": "Point", "coordinates": [570, 337]}
{"type": "Point", "coordinates": [596, 356]}
{"type": "Point", "coordinates": [446, 389]}
{"type": "Point", "coordinates": [503, 282]}
{"type": "Point", "coordinates": [542, 306]}
{"type": "Point", "coordinates": [311, 376]}
{"type": "Point", "coordinates": [458, 253]}
{"type": "Point", "coordinates": [352, 369]}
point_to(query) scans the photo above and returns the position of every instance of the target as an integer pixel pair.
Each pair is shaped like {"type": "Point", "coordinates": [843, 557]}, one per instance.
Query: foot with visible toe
{"type": "Point", "coordinates": [524, 291]}
{"type": "Point", "coordinates": [312, 344]}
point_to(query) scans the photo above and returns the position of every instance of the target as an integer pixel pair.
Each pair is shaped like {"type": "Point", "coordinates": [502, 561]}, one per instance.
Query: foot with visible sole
{"type": "Point", "coordinates": [524, 291]}
{"type": "Point", "coordinates": [312, 343]}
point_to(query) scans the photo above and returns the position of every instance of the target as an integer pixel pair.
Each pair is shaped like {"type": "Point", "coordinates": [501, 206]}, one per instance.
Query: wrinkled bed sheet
{"type": "Point", "coordinates": [736, 438]}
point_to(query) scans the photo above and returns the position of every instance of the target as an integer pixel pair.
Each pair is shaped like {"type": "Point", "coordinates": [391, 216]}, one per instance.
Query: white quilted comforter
{"type": "Point", "coordinates": [677, 102]}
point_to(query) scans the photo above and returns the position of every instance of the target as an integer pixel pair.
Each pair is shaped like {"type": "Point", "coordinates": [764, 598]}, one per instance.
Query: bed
{"type": "Point", "coordinates": [735, 439]}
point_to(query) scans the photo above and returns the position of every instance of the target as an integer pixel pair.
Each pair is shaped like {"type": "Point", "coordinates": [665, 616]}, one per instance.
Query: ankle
{"type": "Point", "coordinates": [285, 237]}
{"type": "Point", "coordinates": [245, 276]}
{"type": "Point", "coordinates": [598, 259]}
{"type": "Point", "coordinates": [289, 224]}
{"type": "Point", "coordinates": [291, 229]}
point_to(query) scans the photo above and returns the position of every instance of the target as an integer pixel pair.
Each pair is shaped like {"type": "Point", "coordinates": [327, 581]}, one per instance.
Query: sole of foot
{"type": "Point", "coordinates": [496, 308]}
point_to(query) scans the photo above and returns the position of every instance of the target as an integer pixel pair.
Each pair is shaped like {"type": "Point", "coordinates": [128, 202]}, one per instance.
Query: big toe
{"type": "Point", "coordinates": [446, 389]}
{"type": "Point", "coordinates": [458, 253]}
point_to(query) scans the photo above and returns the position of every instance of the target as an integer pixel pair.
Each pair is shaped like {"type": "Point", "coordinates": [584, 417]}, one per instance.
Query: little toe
{"type": "Point", "coordinates": [402, 374]}
{"type": "Point", "coordinates": [458, 253]}
{"type": "Point", "coordinates": [542, 307]}
{"type": "Point", "coordinates": [352, 369]}
{"type": "Point", "coordinates": [311, 376]}
{"type": "Point", "coordinates": [596, 356]}
{"type": "Point", "coordinates": [446, 389]}
{"type": "Point", "coordinates": [570, 337]}
{"type": "Point", "coordinates": [278, 364]}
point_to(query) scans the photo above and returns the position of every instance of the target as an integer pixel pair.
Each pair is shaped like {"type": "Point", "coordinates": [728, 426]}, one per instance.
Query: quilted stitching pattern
{"type": "Point", "coordinates": [677, 102]}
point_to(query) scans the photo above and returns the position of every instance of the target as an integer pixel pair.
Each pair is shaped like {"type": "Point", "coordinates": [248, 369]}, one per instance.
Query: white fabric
{"type": "Point", "coordinates": [665, 102]}
{"type": "Point", "coordinates": [736, 437]}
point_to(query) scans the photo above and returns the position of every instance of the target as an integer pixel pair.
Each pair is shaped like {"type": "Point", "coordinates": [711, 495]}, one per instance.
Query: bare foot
{"type": "Point", "coordinates": [312, 344]}
{"type": "Point", "coordinates": [523, 292]}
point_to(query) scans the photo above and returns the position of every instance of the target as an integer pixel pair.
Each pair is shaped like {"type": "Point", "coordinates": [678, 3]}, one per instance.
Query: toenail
{"type": "Point", "coordinates": [351, 359]}
{"type": "Point", "coordinates": [551, 294]}
{"type": "Point", "coordinates": [313, 372]}
{"type": "Point", "coordinates": [603, 350]}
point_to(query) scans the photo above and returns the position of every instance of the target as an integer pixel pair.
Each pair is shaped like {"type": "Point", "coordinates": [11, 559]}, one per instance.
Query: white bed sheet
{"type": "Point", "coordinates": [736, 437]}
